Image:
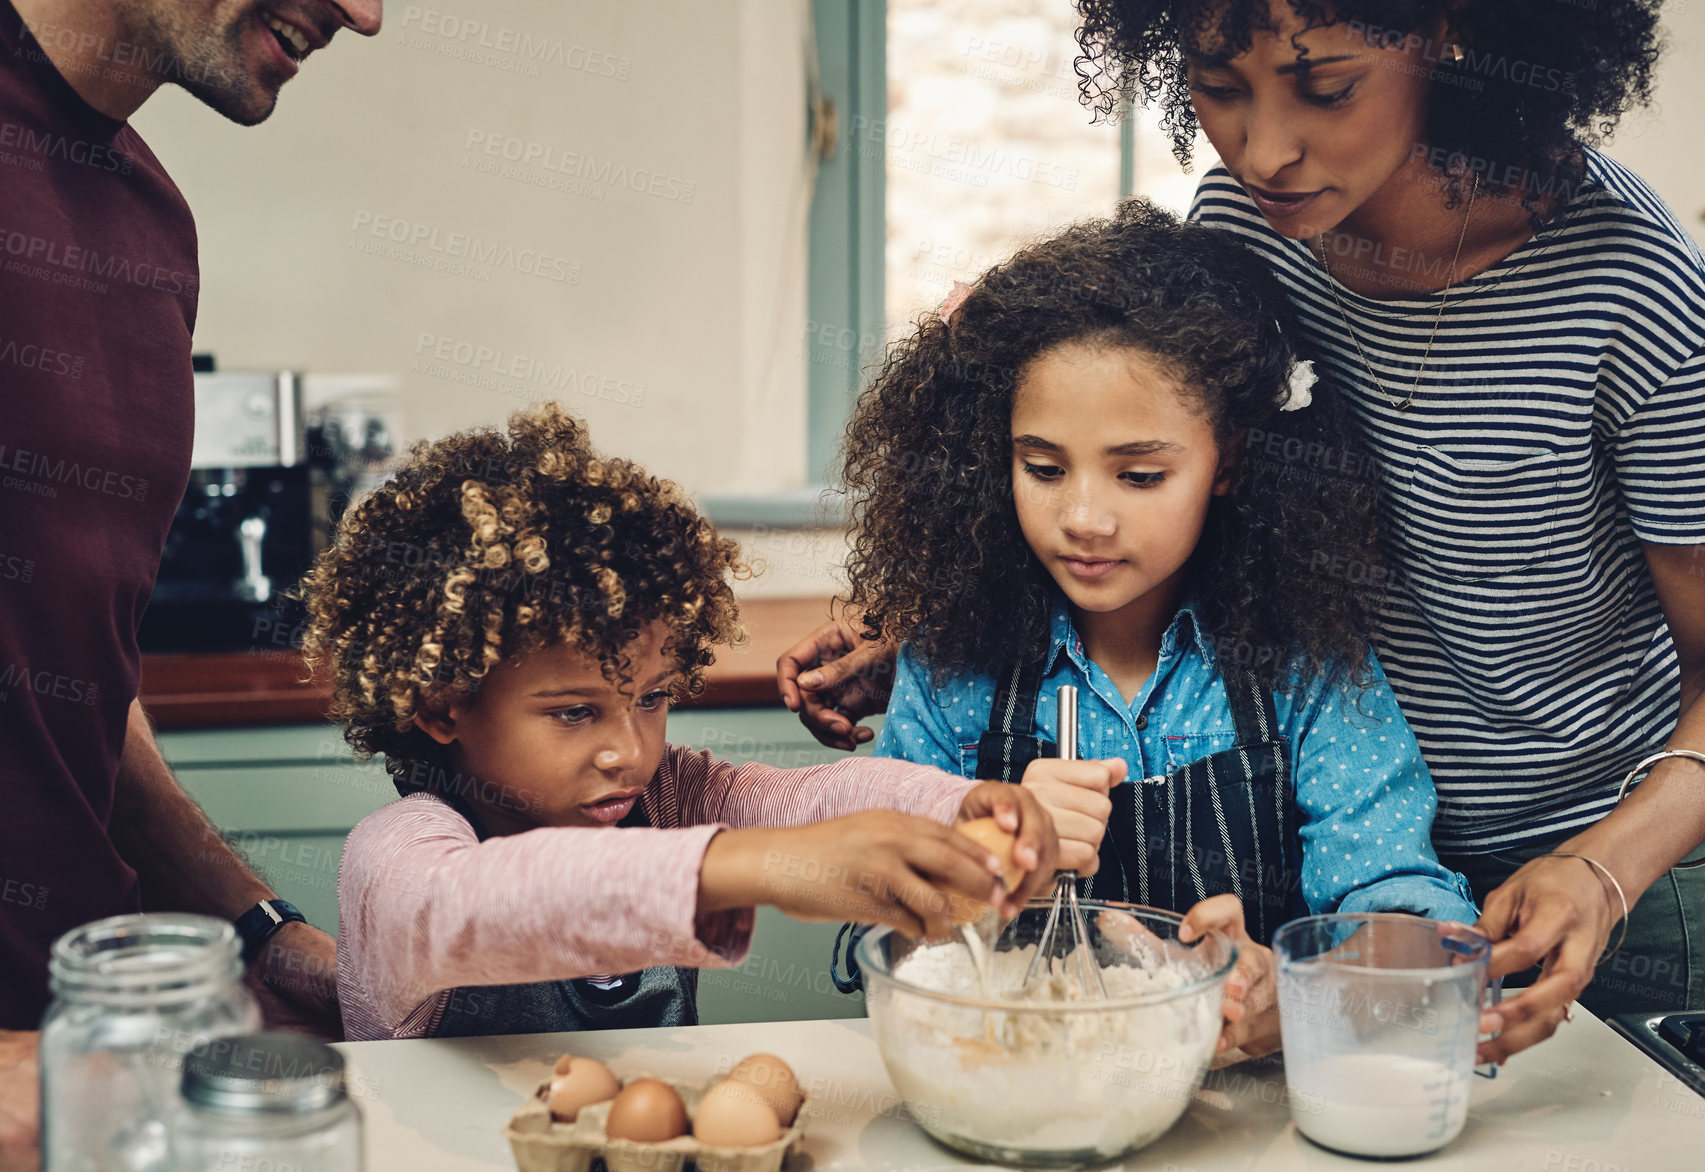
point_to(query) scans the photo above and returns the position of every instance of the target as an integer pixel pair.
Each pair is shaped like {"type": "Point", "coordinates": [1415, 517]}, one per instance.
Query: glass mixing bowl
{"type": "Point", "coordinates": [1069, 1083]}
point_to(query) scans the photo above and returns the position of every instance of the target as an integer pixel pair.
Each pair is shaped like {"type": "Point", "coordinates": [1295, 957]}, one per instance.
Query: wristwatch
{"type": "Point", "coordinates": [256, 926]}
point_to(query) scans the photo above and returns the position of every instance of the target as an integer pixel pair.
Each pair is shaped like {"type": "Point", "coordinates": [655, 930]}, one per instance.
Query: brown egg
{"type": "Point", "coordinates": [774, 1081]}
{"type": "Point", "coordinates": [582, 1082]}
{"type": "Point", "coordinates": [648, 1111]}
{"type": "Point", "coordinates": [735, 1115]}
{"type": "Point", "coordinates": [986, 832]}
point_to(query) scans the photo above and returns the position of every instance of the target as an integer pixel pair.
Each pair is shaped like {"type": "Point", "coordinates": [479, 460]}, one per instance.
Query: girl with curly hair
{"type": "Point", "coordinates": [1100, 469]}
{"type": "Point", "coordinates": [507, 621]}
{"type": "Point", "coordinates": [1517, 324]}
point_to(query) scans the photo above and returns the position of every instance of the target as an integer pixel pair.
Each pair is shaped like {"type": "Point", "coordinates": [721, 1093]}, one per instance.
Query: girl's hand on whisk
{"type": "Point", "coordinates": [1251, 1006]}
{"type": "Point", "coordinates": [1075, 793]}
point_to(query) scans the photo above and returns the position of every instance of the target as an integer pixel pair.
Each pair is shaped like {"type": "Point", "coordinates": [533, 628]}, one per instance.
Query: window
{"type": "Point", "coordinates": [957, 136]}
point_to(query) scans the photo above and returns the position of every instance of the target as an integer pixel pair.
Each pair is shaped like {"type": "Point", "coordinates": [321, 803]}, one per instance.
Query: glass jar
{"type": "Point", "coordinates": [270, 1102]}
{"type": "Point", "coordinates": [131, 995]}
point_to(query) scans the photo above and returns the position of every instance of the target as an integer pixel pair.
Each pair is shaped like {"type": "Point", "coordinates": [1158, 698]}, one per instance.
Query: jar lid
{"type": "Point", "coordinates": [272, 1072]}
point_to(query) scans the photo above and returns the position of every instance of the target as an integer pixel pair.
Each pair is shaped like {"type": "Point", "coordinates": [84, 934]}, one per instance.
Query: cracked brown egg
{"type": "Point", "coordinates": [577, 1083]}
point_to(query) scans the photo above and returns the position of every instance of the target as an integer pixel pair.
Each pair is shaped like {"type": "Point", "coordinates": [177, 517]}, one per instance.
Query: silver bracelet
{"type": "Point", "coordinates": [1605, 871]}
{"type": "Point", "coordinates": [1644, 767]}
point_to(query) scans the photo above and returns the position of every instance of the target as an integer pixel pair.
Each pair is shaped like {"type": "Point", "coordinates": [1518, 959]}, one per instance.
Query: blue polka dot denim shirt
{"type": "Point", "coordinates": [1365, 799]}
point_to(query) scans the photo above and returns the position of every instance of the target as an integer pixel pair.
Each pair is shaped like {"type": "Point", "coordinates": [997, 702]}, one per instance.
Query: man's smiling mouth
{"type": "Point", "coordinates": [291, 39]}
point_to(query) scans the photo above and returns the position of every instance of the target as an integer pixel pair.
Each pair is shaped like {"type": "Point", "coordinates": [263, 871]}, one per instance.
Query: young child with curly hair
{"type": "Point", "coordinates": [507, 620]}
{"type": "Point", "coordinates": [1101, 468]}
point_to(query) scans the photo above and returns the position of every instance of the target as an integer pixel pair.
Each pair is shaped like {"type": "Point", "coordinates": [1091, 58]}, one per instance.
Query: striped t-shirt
{"type": "Point", "coordinates": [1559, 422]}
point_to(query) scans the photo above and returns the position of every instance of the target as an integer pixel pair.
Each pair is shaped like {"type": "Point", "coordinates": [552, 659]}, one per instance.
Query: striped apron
{"type": "Point", "coordinates": [1225, 823]}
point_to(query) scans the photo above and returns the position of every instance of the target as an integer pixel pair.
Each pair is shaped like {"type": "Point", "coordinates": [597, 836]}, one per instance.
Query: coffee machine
{"type": "Point", "coordinates": [258, 509]}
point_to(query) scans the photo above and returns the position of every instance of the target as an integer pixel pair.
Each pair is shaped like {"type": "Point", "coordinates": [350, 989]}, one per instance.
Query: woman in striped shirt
{"type": "Point", "coordinates": [1519, 325]}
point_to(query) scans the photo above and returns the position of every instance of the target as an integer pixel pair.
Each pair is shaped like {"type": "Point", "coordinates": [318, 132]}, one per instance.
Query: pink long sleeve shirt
{"type": "Point", "coordinates": [426, 907]}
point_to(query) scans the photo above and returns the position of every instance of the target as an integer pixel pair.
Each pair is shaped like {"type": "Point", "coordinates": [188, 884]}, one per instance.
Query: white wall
{"type": "Point", "coordinates": [678, 308]}
{"type": "Point", "coordinates": [694, 308]}
{"type": "Point", "coordinates": [1665, 143]}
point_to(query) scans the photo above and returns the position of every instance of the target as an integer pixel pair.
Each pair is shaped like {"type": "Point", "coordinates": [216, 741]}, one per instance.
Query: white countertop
{"type": "Point", "coordinates": [1586, 1101]}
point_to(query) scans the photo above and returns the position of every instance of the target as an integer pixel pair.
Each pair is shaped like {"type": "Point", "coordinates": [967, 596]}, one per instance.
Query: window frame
{"type": "Point", "coordinates": [846, 258]}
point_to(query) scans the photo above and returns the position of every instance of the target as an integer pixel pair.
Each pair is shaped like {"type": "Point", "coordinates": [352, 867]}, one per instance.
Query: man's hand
{"type": "Point", "coordinates": [834, 679]}
{"type": "Point", "coordinates": [1251, 1005]}
{"type": "Point", "coordinates": [1075, 795]}
{"type": "Point", "coordinates": [876, 867]}
{"type": "Point", "coordinates": [1037, 849]}
{"type": "Point", "coordinates": [295, 981]}
{"type": "Point", "coordinates": [1555, 911]}
{"type": "Point", "coordinates": [185, 864]}
{"type": "Point", "coordinates": [19, 1090]}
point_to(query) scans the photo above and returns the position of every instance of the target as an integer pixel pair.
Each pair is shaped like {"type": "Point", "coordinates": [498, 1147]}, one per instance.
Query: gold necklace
{"type": "Point", "coordinates": [1444, 295]}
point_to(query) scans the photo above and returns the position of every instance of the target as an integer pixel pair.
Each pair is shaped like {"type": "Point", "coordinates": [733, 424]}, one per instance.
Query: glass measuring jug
{"type": "Point", "coordinates": [1379, 1015]}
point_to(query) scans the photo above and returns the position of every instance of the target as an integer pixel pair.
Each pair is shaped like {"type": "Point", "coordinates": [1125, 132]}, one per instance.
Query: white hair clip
{"type": "Point", "coordinates": [1300, 391]}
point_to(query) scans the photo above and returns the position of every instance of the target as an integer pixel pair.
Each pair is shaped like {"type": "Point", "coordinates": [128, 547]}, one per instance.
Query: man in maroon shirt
{"type": "Point", "coordinates": [98, 288]}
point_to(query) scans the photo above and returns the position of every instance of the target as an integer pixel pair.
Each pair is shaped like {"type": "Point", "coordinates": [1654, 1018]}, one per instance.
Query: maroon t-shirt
{"type": "Point", "coordinates": [98, 285]}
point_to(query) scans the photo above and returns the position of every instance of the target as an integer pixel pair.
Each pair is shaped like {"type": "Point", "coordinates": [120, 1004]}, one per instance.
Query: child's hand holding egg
{"type": "Point", "coordinates": [987, 833]}
{"type": "Point", "coordinates": [1011, 824]}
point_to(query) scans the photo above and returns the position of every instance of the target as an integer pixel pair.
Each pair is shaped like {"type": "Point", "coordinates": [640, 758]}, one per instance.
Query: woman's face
{"type": "Point", "coordinates": [1313, 137]}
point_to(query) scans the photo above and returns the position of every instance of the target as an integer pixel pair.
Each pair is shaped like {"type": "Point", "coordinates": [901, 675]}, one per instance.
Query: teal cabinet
{"type": "Point", "coordinates": [287, 797]}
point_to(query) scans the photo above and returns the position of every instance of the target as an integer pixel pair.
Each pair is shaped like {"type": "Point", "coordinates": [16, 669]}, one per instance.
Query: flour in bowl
{"type": "Point", "coordinates": [1053, 1073]}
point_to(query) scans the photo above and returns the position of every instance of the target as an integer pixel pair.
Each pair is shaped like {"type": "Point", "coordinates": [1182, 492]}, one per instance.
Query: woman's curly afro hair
{"type": "Point", "coordinates": [938, 558]}
{"type": "Point", "coordinates": [487, 545]}
{"type": "Point", "coordinates": [1538, 79]}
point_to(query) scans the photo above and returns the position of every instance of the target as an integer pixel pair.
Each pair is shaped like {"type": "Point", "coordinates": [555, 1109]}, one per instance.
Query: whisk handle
{"type": "Point", "coordinates": [1066, 700]}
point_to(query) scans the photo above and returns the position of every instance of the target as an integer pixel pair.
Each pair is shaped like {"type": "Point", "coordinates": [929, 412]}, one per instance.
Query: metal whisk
{"type": "Point", "coordinates": [1065, 883]}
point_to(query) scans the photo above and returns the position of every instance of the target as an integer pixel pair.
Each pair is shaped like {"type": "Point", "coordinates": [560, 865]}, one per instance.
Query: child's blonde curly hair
{"type": "Point", "coordinates": [487, 545]}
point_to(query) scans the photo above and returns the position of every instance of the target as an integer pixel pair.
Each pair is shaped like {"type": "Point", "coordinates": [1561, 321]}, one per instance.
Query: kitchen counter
{"type": "Point", "coordinates": [271, 686]}
{"type": "Point", "coordinates": [1585, 1101]}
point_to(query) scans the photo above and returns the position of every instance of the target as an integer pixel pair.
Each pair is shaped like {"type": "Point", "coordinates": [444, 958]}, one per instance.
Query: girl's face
{"type": "Point", "coordinates": [1112, 472]}
{"type": "Point", "coordinates": [548, 741]}
{"type": "Point", "coordinates": [1313, 143]}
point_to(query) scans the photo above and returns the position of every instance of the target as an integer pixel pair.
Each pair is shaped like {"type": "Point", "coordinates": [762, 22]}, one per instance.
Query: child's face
{"type": "Point", "coordinates": [551, 742]}
{"type": "Point", "coordinates": [1112, 472]}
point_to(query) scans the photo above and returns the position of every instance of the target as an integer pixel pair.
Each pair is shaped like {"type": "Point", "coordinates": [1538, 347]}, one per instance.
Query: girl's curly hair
{"type": "Point", "coordinates": [1537, 81]}
{"type": "Point", "coordinates": [937, 555]}
{"type": "Point", "coordinates": [487, 545]}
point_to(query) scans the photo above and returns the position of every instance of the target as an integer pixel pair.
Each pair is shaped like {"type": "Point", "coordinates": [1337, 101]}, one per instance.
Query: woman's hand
{"type": "Point", "coordinates": [1038, 849]}
{"type": "Point", "coordinates": [1251, 1006]}
{"type": "Point", "coordinates": [1075, 794]}
{"type": "Point", "coordinates": [834, 678]}
{"type": "Point", "coordinates": [1555, 910]}
{"type": "Point", "coordinates": [876, 867]}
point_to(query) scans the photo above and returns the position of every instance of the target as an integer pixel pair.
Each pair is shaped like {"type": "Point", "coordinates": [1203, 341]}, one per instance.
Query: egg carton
{"type": "Point", "coordinates": [541, 1144]}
